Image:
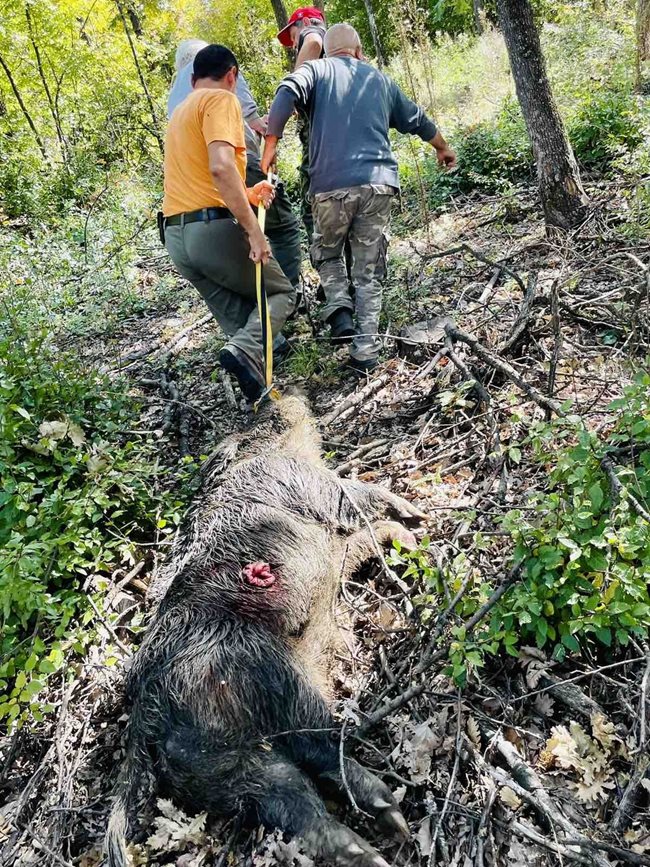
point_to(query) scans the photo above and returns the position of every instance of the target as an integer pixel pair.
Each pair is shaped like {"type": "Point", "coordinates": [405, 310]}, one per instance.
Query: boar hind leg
{"type": "Point", "coordinates": [290, 802]}
{"type": "Point", "coordinates": [375, 502]}
{"type": "Point", "coordinates": [362, 546]}
{"type": "Point", "coordinates": [318, 753]}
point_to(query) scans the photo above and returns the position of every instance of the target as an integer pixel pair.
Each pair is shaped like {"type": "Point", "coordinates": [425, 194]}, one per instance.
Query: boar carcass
{"type": "Point", "coordinates": [229, 689]}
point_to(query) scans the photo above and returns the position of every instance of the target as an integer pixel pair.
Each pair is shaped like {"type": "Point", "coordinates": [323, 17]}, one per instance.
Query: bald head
{"type": "Point", "coordinates": [341, 40]}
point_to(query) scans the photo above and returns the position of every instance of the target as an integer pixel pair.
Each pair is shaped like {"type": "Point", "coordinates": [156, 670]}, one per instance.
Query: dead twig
{"type": "Point", "coordinates": [452, 781]}
{"type": "Point", "coordinates": [618, 490]}
{"type": "Point", "coordinates": [228, 390]}
{"type": "Point", "coordinates": [505, 368]}
{"type": "Point", "coordinates": [626, 809]}
{"type": "Point", "coordinates": [462, 367]}
{"type": "Point", "coordinates": [354, 458]}
{"type": "Point", "coordinates": [345, 409]}
{"type": "Point", "coordinates": [523, 318]}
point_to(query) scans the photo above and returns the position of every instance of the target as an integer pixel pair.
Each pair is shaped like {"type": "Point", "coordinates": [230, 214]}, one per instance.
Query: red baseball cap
{"type": "Point", "coordinates": [298, 15]}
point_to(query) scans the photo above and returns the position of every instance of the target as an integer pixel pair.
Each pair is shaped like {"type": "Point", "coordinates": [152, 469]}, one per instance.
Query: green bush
{"type": "Point", "coordinates": [492, 156]}
{"type": "Point", "coordinates": [76, 496]}
{"type": "Point", "coordinates": [496, 154]}
{"type": "Point", "coordinates": [584, 554]}
{"type": "Point", "coordinates": [606, 124]}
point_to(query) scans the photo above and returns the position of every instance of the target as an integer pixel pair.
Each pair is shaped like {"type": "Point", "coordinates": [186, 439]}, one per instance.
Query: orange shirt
{"type": "Point", "coordinates": [205, 116]}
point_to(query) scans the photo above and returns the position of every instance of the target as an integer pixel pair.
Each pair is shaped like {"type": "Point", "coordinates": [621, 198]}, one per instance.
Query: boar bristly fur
{"type": "Point", "coordinates": [229, 688]}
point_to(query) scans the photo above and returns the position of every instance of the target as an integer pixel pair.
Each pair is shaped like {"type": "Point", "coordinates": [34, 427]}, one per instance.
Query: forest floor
{"type": "Point", "coordinates": [532, 761]}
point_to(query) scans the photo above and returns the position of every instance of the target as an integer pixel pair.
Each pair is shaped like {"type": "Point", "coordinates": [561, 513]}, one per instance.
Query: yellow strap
{"type": "Point", "coordinates": [263, 306]}
{"type": "Point", "coordinates": [263, 311]}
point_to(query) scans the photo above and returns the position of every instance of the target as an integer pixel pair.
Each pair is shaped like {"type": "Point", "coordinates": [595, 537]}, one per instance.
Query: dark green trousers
{"type": "Point", "coordinates": [214, 257]}
{"type": "Point", "coordinates": [305, 199]}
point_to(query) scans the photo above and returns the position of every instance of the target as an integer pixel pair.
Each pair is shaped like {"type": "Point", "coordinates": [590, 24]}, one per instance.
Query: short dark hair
{"type": "Point", "coordinates": [214, 61]}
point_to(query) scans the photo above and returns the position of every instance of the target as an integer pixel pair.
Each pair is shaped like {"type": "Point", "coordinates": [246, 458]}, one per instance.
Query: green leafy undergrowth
{"type": "Point", "coordinates": [582, 549]}
{"type": "Point", "coordinates": [78, 491]}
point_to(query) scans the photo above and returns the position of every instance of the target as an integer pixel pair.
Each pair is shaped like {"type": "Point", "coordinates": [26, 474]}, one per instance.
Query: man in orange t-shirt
{"type": "Point", "coordinates": [211, 230]}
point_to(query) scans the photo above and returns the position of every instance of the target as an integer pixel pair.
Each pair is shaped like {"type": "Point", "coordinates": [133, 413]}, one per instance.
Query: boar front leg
{"type": "Point", "coordinates": [318, 753]}
{"type": "Point", "coordinates": [376, 502]}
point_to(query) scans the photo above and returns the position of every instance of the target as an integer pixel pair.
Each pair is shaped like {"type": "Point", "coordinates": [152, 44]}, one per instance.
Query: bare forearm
{"type": "Point", "coordinates": [233, 192]}
{"type": "Point", "coordinates": [311, 50]}
{"type": "Point", "coordinates": [438, 141]}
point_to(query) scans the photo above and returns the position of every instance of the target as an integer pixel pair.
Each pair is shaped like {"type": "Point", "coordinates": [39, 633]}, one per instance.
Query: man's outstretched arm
{"type": "Point", "coordinates": [283, 106]}
{"type": "Point", "coordinates": [407, 117]}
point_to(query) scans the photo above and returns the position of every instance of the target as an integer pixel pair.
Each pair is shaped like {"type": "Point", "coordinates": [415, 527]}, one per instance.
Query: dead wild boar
{"type": "Point", "coordinates": [228, 691]}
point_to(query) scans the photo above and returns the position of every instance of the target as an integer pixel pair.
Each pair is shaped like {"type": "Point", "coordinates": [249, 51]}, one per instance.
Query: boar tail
{"type": "Point", "coordinates": [133, 790]}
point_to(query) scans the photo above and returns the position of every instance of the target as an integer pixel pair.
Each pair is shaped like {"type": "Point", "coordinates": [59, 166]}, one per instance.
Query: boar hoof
{"type": "Point", "coordinates": [401, 507]}
{"type": "Point", "coordinates": [393, 822]}
{"type": "Point", "coordinates": [387, 532]}
{"type": "Point", "coordinates": [336, 844]}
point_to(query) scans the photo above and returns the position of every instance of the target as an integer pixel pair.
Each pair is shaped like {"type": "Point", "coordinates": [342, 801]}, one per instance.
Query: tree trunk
{"type": "Point", "coordinates": [23, 107]}
{"type": "Point", "coordinates": [563, 199]}
{"type": "Point", "coordinates": [152, 108]}
{"type": "Point", "coordinates": [48, 93]}
{"type": "Point", "coordinates": [479, 12]}
{"type": "Point", "coordinates": [642, 37]}
{"type": "Point", "coordinates": [134, 18]}
{"type": "Point", "coordinates": [374, 30]}
{"type": "Point", "coordinates": [280, 11]}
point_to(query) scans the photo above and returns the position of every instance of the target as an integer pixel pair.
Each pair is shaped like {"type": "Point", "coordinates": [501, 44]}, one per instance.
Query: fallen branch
{"type": "Point", "coordinates": [354, 458]}
{"type": "Point", "coordinates": [505, 368]}
{"type": "Point", "coordinates": [524, 830]}
{"type": "Point", "coordinates": [465, 248]}
{"type": "Point", "coordinates": [529, 780]}
{"type": "Point", "coordinates": [571, 696]}
{"type": "Point", "coordinates": [523, 318]}
{"type": "Point", "coordinates": [345, 409]}
{"type": "Point", "coordinates": [627, 808]}
{"type": "Point", "coordinates": [462, 367]}
{"type": "Point", "coordinates": [160, 346]}
{"type": "Point", "coordinates": [557, 344]}
{"type": "Point", "coordinates": [527, 785]}
{"type": "Point", "coordinates": [617, 489]}
{"type": "Point", "coordinates": [228, 390]}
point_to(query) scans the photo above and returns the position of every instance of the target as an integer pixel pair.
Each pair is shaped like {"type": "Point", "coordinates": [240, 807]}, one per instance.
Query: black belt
{"type": "Point", "coordinates": [203, 215]}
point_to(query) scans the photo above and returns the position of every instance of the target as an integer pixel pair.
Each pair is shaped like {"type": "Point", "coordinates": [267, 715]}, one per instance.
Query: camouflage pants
{"type": "Point", "coordinates": [360, 215]}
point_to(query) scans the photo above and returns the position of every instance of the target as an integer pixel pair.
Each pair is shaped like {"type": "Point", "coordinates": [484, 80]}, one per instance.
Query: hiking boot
{"type": "Point", "coordinates": [281, 349]}
{"type": "Point", "coordinates": [244, 372]}
{"type": "Point", "coordinates": [299, 307]}
{"type": "Point", "coordinates": [341, 326]}
{"type": "Point", "coordinates": [361, 367]}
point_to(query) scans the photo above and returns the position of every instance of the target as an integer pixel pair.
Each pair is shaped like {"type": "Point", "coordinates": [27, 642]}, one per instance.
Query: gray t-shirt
{"type": "Point", "coordinates": [351, 106]}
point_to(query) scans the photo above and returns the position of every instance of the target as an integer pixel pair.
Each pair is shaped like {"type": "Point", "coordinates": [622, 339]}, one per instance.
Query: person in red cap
{"type": "Point", "coordinates": [305, 33]}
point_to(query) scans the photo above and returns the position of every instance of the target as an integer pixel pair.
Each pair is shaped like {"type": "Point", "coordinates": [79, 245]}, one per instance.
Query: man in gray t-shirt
{"type": "Point", "coordinates": [353, 176]}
